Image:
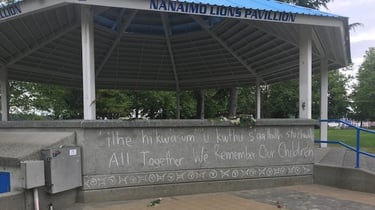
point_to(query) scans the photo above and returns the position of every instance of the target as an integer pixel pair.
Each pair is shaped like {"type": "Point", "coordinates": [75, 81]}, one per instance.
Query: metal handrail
{"type": "Point", "coordinates": [358, 140]}
{"type": "Point", "coordinates": [348, 124]}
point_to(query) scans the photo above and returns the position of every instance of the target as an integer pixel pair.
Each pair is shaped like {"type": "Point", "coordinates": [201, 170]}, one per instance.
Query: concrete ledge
{"type": "Point", "coordinates": [286, 122]}
{"type": "Point", "coordinates": [346, 178]}
{"type": "Point", "coordinates": [111, 123]}
{"type": "Point", "coordinates": [152, 123]}
{"type": "Point", "coordinates": [155, 191]}
{"type": "Point", "coordinates": [18, 146]}
{"type": "Point", "coordinates": [147, 123]}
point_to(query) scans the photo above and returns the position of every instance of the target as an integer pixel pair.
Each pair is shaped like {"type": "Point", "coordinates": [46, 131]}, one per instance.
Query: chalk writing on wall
{"type": "Point", "coordinates": [201, 151]}
{"type": "Point", "coordinates": [167, 177]}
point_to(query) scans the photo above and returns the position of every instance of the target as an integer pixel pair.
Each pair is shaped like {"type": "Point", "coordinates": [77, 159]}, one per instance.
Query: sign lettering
{"type": "Point", "coordinates": [222, 11]}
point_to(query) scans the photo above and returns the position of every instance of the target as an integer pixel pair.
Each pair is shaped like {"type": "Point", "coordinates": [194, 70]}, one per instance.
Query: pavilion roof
{"type": "Point", "coordinates": [148, 45]}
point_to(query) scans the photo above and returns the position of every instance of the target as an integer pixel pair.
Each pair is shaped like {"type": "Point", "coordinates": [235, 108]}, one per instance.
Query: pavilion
{"type": "Point", "coordinates": [169, 45]}
{"type": "Point", "coordinates": [161, 45]}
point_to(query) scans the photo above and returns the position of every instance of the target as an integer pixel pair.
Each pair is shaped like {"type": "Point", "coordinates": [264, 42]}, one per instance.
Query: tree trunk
{"type": "Point", "coordinates": [233, 98]}
{"type": "Point", "coordinates": [200, 104]}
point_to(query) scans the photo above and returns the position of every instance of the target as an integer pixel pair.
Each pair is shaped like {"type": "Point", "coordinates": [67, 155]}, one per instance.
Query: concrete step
{"type": "Point", "coordinates": [320, 153]}
{"type": "Point", "coordinates": [335, 166]}
{"type": "Point", "coordinates": [349, 159]}
{"type": "Point", "coordinates": [341, 157]}
{"type": "Point", "coordinates": [370, 163]}
{"type": "Point", "coordinates": [334, 157]}
{"type": "Point", "coordinates": [346, 178]}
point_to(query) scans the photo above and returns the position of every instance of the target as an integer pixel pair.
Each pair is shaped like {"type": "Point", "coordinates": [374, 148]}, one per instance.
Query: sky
{"type": "Point", "coordinates": [363, 37]}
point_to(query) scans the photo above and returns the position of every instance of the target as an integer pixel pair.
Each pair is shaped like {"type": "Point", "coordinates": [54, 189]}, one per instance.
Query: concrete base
{"type": "Point", "coordinates": [25, 201]}
{"type": "Point", "coordinates": [347, 178]}
{"type": "Point", "coordinates": [155, 191]}
{"type": "Point", "coordinates": [11, 201]}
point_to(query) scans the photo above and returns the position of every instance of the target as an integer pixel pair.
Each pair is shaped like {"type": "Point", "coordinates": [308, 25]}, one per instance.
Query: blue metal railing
{"type": "Point", "coordinates": [357, 149]}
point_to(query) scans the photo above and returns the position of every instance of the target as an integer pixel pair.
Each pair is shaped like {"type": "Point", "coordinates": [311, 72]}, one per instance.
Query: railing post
{"type": "Point", "coordinates": [357, 164]}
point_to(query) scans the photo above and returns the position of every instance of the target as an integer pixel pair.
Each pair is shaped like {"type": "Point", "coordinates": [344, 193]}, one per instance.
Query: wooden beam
{"type": "Point", "coordinates": [318, 44]}
{"type": "Point", "coordinates": [167, 33]}
{"type": "Point", "coordinates": [45, 42]}
{"type": "Point", "coordinates": [116, 41]}
{"type": "Point", "coordinates": [206, 27]}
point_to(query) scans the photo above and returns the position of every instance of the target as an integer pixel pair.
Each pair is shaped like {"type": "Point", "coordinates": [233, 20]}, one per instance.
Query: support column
{"type": "Point", "coordinates": [323, 100]}
{"type": "Point", "coordinates": [88, 63]}
{"type": "Point", "coordinates": [305, 73]}
{"type": "Point", "coordinates": [258, 96]}
{"type": "Point", "coordinates": [4, 94]}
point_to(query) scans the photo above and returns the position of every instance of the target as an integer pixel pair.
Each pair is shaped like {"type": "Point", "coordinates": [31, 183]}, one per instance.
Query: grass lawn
{"type": "Point", "coordinates": [348, 136]}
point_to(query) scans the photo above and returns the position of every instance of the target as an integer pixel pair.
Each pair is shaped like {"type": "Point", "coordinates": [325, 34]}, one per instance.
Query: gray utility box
{"type": "Point", "coordinates": [33, 173]}
{"type": "Point", "coordinates": [63, 169]}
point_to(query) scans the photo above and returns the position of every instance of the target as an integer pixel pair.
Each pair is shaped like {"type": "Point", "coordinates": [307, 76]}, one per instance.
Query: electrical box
{"type": "Point", "coordinates": [63, 169]}
{"type": "Point", "coordinates": [4, 182]}
{"type": "Point", "coordinates": [33, 173]}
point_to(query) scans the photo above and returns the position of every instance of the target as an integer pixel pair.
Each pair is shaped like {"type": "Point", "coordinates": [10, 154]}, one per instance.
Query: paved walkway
{"type": "Point", "coordinates": [300, 197]}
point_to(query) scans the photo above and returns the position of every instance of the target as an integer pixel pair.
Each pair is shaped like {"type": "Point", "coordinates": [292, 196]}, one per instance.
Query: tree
{"type": "Point", "coordinates": [154, 104]}
{"type": "Point", "coordinates": [233, 101]}
{"type": "Point", "coordinates": [27, 98]}
{"type": "Point", "coordinates": [280, 100]}
{"type": "Point", "coordinates": [338, 97]}
{"type": "Point", "coordinates": [314, 4]}
{"type": "Point", "coordinates": [364, 91]}
{"type": "Point", "coordinates": [247, 101]}
{"type": "Point", "coordinates": [216, 103]}
{"type": "Point", "coordinates": [113, 104]}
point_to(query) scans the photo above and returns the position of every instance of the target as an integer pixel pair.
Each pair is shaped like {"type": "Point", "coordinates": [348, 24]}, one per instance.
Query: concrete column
{"type": "Point", "coordinates": [305, 73]}
{"type": "Point", "coordinates": [88, 63]}
{"type": "Point", "coordinates": [323, 100]}
{"type": "Point", "coordinates": [4, 94]}
{"type": "Point", "coordinates": [258, 97]}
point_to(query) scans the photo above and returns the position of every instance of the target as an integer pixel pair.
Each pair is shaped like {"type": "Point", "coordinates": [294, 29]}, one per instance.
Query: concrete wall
{"type": "Point", "coordinates": [138, 159]}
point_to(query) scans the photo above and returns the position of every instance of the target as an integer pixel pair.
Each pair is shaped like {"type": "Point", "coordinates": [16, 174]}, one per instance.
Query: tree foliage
{"type": "Point", "coordinates": [29, 99]}
{"type": "Point", "coordinates": [280, 100]}
{"type": "Point", "coordinates": [338, 97]}
{"type": "Point", "coordinates": [364, 91]}
{"type": "Point", "coordinates": [314, 4]}
{"type": "Point", "coordinates": [53, 101]}
{"type": "Point", "coordinates": [112, 104]}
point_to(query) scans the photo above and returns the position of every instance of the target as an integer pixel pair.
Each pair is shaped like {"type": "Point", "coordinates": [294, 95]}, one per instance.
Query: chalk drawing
{"type": "Point", "coordinates": [149, 178]}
